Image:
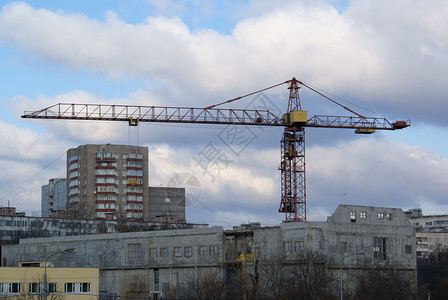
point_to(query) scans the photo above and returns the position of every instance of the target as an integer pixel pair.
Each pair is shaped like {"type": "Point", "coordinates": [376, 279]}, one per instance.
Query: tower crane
{"type": "Point", "coordinates": [294, 121]}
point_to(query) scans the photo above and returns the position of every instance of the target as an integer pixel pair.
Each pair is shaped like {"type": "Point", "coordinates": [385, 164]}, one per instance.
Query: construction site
{"type": "Point", "coordinates": [297, 259]}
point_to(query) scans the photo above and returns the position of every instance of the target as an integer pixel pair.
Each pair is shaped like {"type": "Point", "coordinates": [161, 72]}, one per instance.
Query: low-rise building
{"type": "Point", "coordinates": [353, 238]}
{"type": "Point", "coordinates": [15, 226]}
{"type": "Point", "coordinates": [62, 283]}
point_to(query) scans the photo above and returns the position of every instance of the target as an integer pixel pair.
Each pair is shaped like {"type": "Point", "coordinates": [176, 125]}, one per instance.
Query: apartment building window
{"type": "Point", "coordinates": [202, 250]}
{"type": "Point", "coordinates": [135, 254]}
{"type": "Point", "coordinates": [72, 158]}
{"type": "Point", "coordinates": [363, 215]}
{"type": "Point", "coordinates": [85, 287]}
{"type": "Point", "coordinates": [163, 252]}
{"type": "Point", "coordinates": [38, 288]}
{"type": "Point", "coordinates": [380, 216]}
{"type": "Point", "coordinates": [153, 252]}
{"type": "Point", "coordinates": [299, 246]}
{"type": "Point", "coordinates": [214, 250]}
{"type": "Point", "coordinates": [390, 217]}
{"type": "Point", "coordinates": [10, 288]}
{"type": "Point", "coordinates": [34, 288]}
{"type": "Point", "coordinates": [353, 216]}
{"type": "Point", "coordinates": [77, 288]}
{"type": "Point", "coordinates": [380, 248]}
{"type": "Point", "coordinates": [188, 251]}
{"type": "Point", "coordinates": [177, 251]}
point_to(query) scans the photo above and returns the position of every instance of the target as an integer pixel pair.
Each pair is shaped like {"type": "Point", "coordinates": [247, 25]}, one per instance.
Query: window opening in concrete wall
{"type": "Point", "coordinates": [177, 251]}
{"type": "Point", "coordinates": [156, 279]}
{"type": "Point", "coordinates": [202, 250]}
{"type": "Point", "coordinates": [363, 215]}
{"type": "Point", "coordinates": [153, 252]}
{"type": "Point", "coordinates": [408, 249]}
{"type": "Point", "coordinates": [188, 251]}
{"type": "Point", "coordinates": [214, 250]}
{"type": "Point", "coordinates": [135, 254]}
{"type": "Point", "coordinates": [344, 247]}
{"type": "Point", "coordinates": [390, 217]}
{"type": "Point", "coordinates": [163, 252]}
{"type": "Point", "coordinates": [287, 246]}
{"type": "Point", "coordinates": [380, 216]}
{"type": "Point", "coordinates": [68, 257]}
{"type": "Point", "coordinates": [380, 248]}
{"type": "Point", "coordinates": [353, 216]}
{"type": "Point", "coordinates": [299, 246]}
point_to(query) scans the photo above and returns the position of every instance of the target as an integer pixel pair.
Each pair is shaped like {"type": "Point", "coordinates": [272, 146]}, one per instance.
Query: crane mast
{"type": "Point", "coordinates": [294, 121]}
{"type": "Point", "coordinates": [292, 165]}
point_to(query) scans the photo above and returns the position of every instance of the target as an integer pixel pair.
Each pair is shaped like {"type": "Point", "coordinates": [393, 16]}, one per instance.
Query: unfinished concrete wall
{"type": "Point", "coordinates": [354, 237]}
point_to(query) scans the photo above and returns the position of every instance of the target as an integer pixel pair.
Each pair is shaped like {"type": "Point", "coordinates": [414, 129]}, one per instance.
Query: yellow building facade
{"type": "Point", "coordinates": [63, 283]}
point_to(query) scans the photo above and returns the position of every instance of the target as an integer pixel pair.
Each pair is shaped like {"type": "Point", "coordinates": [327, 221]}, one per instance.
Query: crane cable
{"type": "Point", "coordinates": [250, 94]}
{"type": "Point", "coordinates": [334, 101]}
{"type": "Point", "coordinates": [287, 81]}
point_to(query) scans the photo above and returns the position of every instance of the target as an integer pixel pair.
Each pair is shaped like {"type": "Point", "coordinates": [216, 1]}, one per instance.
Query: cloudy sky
{"type": "Point", "coordinates": [382, 58]}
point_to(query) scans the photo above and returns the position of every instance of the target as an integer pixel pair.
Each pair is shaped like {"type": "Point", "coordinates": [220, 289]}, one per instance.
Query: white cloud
{"type": "Point", "coordinates": [397, 57]}
{"type": "Point", "coordinates": [167, 161]}
{"type": "Point", "coordinates": [350, 53]}
{"type": "Point", "coordinates": [375, 172]}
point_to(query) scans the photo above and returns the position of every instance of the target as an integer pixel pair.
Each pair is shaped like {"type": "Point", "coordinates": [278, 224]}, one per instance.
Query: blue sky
{"type": "Point", "coordinates": [196, 53]}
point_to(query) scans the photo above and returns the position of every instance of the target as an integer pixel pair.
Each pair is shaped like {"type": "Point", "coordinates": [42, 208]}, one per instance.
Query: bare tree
{"type": "Point", "coordinates": [433, 273]}
{"type": "Point", "coordinates": [204, 285]}
{"type": "Point", "coordinates": [384, 282]}
{"type": "Point", "coordinates": [246, 280]}
{"type": "Point", "coordinates": [298, 275]}
{"type": "Point", "coordinates": [308, 278]}
{"type": "Point", "coordinates": [272, 274]}
{"type": "Point", "coordinates": [135, 287]}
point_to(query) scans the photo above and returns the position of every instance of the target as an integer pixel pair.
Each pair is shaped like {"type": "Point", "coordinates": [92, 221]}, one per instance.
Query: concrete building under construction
{"type": "Point", "coordinates": [351, 240]}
